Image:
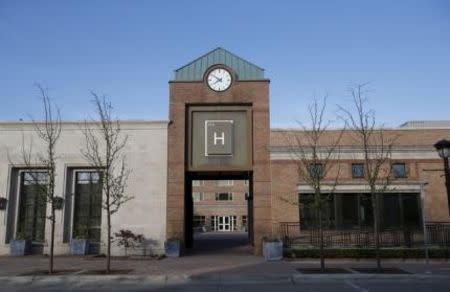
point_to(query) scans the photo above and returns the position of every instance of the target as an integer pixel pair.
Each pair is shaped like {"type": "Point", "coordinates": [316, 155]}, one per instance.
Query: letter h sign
{"type": "Point", "coordinates": [218, 137]}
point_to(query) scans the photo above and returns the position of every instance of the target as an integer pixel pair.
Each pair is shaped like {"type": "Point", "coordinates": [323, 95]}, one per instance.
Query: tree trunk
{"type": "Point", "coordinates": [376, 229]}
{"type": "Point", "coordinates": [52, 241]}
{"type": "Point", "coordinates": [322, 258]}
{"type": "Point", "coordinates": [108, 251]}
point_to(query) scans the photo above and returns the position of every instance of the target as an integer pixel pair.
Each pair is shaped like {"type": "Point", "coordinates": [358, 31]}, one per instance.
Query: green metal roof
{"type": "Point", "coordinates": [195, 70]}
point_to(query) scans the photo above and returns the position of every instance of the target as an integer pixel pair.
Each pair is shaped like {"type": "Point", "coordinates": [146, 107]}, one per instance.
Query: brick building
{"type": "Point", "coordinates": [215, 164]}
{"type": "Point", "coordinates": [220, 205]}
{"type": "Point", "coordinates": [416, 169]}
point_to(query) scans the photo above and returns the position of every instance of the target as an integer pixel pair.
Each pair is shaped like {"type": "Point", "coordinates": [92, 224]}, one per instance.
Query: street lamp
{"type": "Point", "coordinates": [443, 149]}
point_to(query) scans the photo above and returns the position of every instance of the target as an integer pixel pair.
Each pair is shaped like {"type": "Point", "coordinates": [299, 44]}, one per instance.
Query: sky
{"type": "Point", "coordinates": [128, 51]}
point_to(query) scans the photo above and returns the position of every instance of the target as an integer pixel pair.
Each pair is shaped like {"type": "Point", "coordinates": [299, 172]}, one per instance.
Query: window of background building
{"type": "Point", "coordinates": [244, 221]}
{"type": "Point", "coordinates": [199, 221]}
{"type": "Point", "coordinates": [197, 196]}
{"type": "Point", "coordinates": [213, 223]}
{"type": "Point", "coordinates": [234, 223]}
{"type": "Point", "coordinates": [197, 183]}
{"type": "Point", "coordinates": [399, 170]}
{"type": "Point", "coordinates": [225, 182]}
{"type": "Point", "coordinates": [224, 196]}
{"type": "Point", "coordinates": [357, 170]}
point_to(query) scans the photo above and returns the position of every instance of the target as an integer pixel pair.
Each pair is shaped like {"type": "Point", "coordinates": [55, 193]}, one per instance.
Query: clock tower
{"type": "Point", "coordinates": [219, 129]}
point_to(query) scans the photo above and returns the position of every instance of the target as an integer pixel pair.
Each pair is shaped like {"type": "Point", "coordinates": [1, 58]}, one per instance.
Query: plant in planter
{"type": "Point", "coordinates": [79, 245]}
{"type": "Point", "coordinates": [172, 246]}
{"type": "Point", "coordinates": [128, 239]}
{"type": "Point", "coordinates": [272, 248]}
{"type": "Point", "coordinates": [20, 245]}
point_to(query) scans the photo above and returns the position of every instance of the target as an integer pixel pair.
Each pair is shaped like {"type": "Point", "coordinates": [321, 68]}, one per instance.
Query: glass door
{"type": "Point", "coordinates": [224, 223]}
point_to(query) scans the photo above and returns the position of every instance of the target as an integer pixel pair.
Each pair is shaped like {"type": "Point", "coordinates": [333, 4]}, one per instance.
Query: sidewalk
{"type": "Point", "coordinates": [217, 273]}
{"type": "Point", "coordinates": [209, 265]}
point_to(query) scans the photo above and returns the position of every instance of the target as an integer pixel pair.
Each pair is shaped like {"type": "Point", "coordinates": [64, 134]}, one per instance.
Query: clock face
{"type": "Point", "coordinates": [219, 79]}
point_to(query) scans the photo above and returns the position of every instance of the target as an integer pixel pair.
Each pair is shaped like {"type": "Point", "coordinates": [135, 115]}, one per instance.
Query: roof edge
{"type": "Point", "coordinates": [218, 48]}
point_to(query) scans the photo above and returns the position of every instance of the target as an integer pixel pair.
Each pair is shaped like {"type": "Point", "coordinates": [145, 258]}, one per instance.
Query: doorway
{"type": "Point", "coordinates": [225, 223]}
{"type": "Point", "coordinates": [219, 214]}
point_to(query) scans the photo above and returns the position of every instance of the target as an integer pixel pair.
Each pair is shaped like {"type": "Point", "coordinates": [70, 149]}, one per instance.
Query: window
{"type": "Point", "coordinates": [225, 183]}
{"type": "Point", "coordinates": [411, 210]}
{"type": "Point", "coordinates": [213, 223]}
{"type": "Point", "coordinates": [308, 213]}
{"type": "Point", "coordinates": [197, 183]}
{"type": "Point", "coordinates": [349, 209]}
{"type": "Point", "coordinates": [199, 221]}
{"type": "Point", "coordinates": [224, 196]}
{"type": "Point", "coordinates": [365, 210]}
{"type": "Point", "coordinates": [197, 196]}
{"type": "Point", "coordinates": [316, 170]}
{"type": "Point", "coordinates": [244, 221]}
{"type": "Point", "coordinates": [234, 223]}
{"type": "Point", "coordinates": [32, 205]}
{"type": "Point", "coordinates": [87, 206]}
{"type": "Point", "coordinates": [399, 170]}
{"type": "Point", "coordinates": [391, 211]}
{"type": "Point", "coordinates": [357, 170]}
{"type": "Point", "coordinates": [355, 211]}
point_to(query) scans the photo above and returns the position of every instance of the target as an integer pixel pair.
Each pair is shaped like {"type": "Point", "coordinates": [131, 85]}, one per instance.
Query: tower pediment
{"type": "Point", "coordinates": [195, 70]}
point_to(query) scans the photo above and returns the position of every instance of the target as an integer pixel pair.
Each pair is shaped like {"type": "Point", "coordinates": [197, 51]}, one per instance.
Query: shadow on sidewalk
{"type": "Point", "coordinates": [232, 243]}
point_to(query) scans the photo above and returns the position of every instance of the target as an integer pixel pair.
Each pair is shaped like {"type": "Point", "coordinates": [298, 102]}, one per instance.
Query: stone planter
{"type": "Point", "coordinates": [273, 250]}
{"type": "Point", "coordinates": [20, 247]}
{"type": "Point", "coordinates": [79, 246]}
{"type": "Point", "coordinates": [172, 248]}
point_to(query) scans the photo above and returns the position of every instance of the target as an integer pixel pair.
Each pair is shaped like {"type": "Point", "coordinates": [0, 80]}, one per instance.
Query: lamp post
{"type": "Point", "coordinates": [443, 149]}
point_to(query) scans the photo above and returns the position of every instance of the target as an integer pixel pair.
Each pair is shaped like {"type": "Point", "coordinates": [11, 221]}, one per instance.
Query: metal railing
{"type": "Point", "coordinates": [292, 235]}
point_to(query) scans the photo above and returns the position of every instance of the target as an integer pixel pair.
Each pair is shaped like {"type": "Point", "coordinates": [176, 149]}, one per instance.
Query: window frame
{"type": "Point", "coordinates": [72, 190]}
{"type": "Point", "coordinates": [200, 195]}
{"type": "Point", "coordinates": [394, 173]}
{"type": "Point", "coordinates": [360, 164]}
{"type": "Point", "coordinates": [230, 196]}
{"type": "Point", "coordinates": [225, 183]}
{"type": "Point", "coordinates": [199, 184]}
{"type": "Point", "coordinates": [20, 172]}
{"type": "Point", "coordinates": [318, 169]}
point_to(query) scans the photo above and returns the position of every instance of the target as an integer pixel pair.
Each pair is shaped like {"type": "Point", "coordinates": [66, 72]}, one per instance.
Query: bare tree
{"type": "Point", "coordinates": [317, 161]}
{"type": "Point", "coordinates": [376, 147]}
{"type": "Point", "coordinates": [48, 132]}
{"type": "Point", "coordinates": [104, 151]}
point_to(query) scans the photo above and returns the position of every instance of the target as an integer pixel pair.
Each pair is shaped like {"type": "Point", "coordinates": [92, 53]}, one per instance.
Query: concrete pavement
{"type": "Point", "coordinates": [218, 266]}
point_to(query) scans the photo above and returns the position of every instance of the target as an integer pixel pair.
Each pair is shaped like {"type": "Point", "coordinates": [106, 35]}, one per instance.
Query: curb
{"type": "Point", "coordinates": [218, 279]}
